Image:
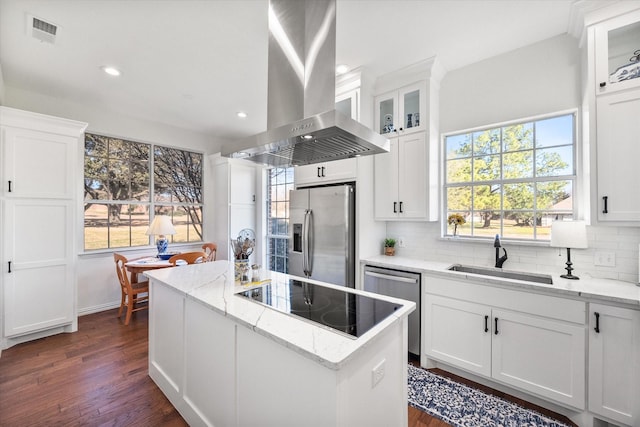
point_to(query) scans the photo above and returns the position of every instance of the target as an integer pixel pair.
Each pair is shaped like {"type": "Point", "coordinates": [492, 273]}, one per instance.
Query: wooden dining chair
{"type": "Point", "coordinates": [211, 249]}
{"type": "Point", "coordinates": [189, 257]}
{"type": "Point", "coordinates": [131, 293]}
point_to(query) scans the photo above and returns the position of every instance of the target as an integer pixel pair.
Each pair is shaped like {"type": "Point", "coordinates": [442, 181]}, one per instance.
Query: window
{"type": "Point", "coordinates": [511, 180]}
{"type": "Point", "coordinates": [279, 183]}
{"type": "Point", "coordinates": [124, 181]}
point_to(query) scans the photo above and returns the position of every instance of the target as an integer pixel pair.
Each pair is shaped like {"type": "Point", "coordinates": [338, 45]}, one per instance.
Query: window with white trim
{"type": "Point", "coordinates": [512, 179]}
{"type": "Point", "coordinates": [279, 184]}
{"type": "Point", "coordinates": [126, 181]}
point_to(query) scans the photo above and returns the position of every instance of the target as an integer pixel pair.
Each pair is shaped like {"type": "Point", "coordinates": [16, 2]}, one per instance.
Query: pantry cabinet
{"type": "Point", "coordinates": [39, 227]}
{"type": "Point", "coordinates": [614, 363]}
{"type": "Point", "coordinates": [532, 342]}
{"type": "Point", "coordinates": [400, 179]}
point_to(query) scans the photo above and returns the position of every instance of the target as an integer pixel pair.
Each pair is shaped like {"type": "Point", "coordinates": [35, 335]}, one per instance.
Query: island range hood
{"type": "Point", "coordinates": [303, 126]}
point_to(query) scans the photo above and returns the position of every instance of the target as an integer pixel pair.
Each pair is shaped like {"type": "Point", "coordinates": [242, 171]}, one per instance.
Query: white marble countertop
{"type": "Point", "coordinates": [212, 284]}
{"type": "Point", "coordinates": [591, 289]}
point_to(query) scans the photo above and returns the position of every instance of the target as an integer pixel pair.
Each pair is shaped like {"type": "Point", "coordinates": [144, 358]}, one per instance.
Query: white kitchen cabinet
{"type": "Point", "coordinates": [401, 181]}
{"type": "Point", "coordinates": [617, 151]}
{"type": "Point", "coordinates": [402, 111]}
{"type": "Point", "coordinates": [532, 342]}
{"type": "Point", "coordinates": [234, 207]}
{"type": "Point", "coordinates": [617, 53]}
{"type": "Point", "coordinates": [614, 363]}
{"type": "Point", "coordinates": [326, 173]}
{"type": "Point", "coordinates": [39, 228]}
{"type": "Point", "coordinates": [459, 333]}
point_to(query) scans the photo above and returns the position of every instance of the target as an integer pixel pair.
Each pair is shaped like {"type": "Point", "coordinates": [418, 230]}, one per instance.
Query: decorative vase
{"type": "Point", "coordinates": [389, 251]}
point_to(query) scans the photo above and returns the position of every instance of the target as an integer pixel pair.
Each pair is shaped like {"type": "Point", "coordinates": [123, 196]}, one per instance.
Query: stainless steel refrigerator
{"type": "Point", "coordinates": [322, 234]}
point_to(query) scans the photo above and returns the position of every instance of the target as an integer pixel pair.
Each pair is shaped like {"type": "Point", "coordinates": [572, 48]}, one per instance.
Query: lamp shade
{"type": "Point", "coordinates": [161, 226]}
{"type": "Point", "coordinates": [569, 234]}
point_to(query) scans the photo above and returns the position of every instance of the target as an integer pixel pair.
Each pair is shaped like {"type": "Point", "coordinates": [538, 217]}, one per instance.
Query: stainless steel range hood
{"type": "Point", "coordinates": [303, 126]}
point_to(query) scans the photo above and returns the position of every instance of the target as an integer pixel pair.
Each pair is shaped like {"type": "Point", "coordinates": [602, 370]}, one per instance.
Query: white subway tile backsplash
{"type": "Point", "coordinates": [423, 241]}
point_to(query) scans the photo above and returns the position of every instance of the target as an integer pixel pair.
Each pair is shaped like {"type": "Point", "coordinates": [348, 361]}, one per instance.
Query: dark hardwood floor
{"type": "Point", "coordinates": [98, 376]}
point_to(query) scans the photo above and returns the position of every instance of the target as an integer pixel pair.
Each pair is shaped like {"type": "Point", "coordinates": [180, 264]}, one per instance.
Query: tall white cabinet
{"type": "Point", "coordinates": [40, 191]}
{"type": "Point", "coordinates": [614, 98]}
{"type": "Point", "coordinates": [406, 112]}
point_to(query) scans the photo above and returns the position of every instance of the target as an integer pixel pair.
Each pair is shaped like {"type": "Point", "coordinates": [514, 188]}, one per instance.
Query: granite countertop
{"type": "Point", "coordinates": [212, 284]}
{"type": "Point", "coordinates": [590, 289]}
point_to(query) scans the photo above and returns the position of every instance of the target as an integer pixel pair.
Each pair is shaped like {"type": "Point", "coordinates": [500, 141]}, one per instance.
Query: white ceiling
{"type": "Point", "coordinates": [195, 63]}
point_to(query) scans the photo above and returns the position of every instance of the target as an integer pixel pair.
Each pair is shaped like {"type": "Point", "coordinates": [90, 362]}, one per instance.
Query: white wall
{"type": "Point", "coordinates": [98, 287]}
{"type": "Point", "coordinates": [1, 87]}
{"type": "Point", "coordinates": [541, 78]}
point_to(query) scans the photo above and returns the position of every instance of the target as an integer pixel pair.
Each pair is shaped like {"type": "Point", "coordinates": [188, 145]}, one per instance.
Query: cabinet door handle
{"type": "Point", "coordinates": [605, 199]}
{"type": "Point", "coordinates": [9, 266]}
{"type": "Point", "coordinates": [323, 171]}
{"type": "Point", "coordinates": [401, 207]}
{"type": "Point", "coordinates": [254, 197]}
{"type": "Point", "coordinates": [10, 186]}
{"type": "Point", "coordinates": [395, 210]}
{"type": "Point", "coordinates": [495, 330]}
{"type": "Point", "coordinates": [318, 168]}
{"type": "Point", "coordinates": [597, 328]}
{"type": "Point", "coordinates": [603, 84]}
{"type": "Point", "coordinates": [486, 323]}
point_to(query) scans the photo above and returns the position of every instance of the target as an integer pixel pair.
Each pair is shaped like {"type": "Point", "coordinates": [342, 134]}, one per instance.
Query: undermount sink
{"type": "Point", "coordinates": [496, 272]}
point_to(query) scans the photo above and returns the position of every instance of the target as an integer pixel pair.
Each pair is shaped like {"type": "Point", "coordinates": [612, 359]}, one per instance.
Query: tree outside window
{"type": "Point", "coordinates": [511, 180]}
{"type": "Point", "coordinates": [119, 180]}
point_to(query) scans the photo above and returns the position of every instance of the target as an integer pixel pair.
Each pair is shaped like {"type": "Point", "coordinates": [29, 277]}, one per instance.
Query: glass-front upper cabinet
{"type": "Point", "coordinates": [617, 55]}
{"type": "Point", "coordinates": [401, 111]}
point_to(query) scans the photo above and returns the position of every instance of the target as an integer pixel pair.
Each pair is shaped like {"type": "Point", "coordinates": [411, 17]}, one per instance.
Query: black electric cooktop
{"type": "Point", "coordinates": [342, 311]}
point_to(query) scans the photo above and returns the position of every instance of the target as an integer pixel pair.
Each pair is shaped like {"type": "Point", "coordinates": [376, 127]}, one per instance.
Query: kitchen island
{"type": "Point", "coordinates": [225, 359]}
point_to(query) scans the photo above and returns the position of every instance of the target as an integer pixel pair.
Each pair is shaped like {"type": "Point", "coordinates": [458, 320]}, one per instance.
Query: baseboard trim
{"type": "Point", "coordinates": [98, 308]}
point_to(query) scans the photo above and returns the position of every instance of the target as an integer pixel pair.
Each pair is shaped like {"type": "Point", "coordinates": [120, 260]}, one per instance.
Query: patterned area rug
{"type": "Point", "coordinates": [460, 405]}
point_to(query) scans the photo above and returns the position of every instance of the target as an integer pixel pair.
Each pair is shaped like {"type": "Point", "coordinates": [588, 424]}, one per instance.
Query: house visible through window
{"type": "Point", "coordinates": [511, 180]}
{"type": "Point", "coordinates": [124, 181]}
{"type": "Point", "coordinates": [279, 183]}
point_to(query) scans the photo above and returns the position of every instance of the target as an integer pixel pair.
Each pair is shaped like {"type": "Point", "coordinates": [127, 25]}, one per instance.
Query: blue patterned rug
{"type": "Point", "coordinates": [463, 406]}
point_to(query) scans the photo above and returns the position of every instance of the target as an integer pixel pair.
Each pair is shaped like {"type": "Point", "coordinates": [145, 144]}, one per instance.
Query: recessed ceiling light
{"type": "Point", "coordinates": [241, 114]}
{"type": "Point", "coordinates": [112, 71]}
{"type": "Point", "coordinates": [342, 68]}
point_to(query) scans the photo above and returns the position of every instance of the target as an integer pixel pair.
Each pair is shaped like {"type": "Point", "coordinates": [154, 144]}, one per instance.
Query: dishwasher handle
{"type": "Point", "coordinates": [390, 277]}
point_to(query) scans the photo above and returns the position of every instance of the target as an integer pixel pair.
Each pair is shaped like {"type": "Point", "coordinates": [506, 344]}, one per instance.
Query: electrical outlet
{"type": "Point", "coordinates": [605, 259]}
{"type": "Point", "coordinates": [401, 242]}
{"type": "Point", "coordinates": [377, 373]}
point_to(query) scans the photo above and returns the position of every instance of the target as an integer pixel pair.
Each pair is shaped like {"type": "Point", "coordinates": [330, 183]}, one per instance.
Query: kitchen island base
{"type": "Point", "coordinates": [218, 371]}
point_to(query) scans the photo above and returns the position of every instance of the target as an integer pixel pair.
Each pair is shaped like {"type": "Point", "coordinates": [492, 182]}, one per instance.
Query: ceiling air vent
{"type": "Point", "coordinates": [42, 30]}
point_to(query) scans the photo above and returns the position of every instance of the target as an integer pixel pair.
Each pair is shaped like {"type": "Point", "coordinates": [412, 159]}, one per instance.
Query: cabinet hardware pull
{"type": "Point", "coordinates": [318, 168]}
{"type": "Point", "coordinates": [495, 331]}
{"type": "Point", "coordinates": [603, 84]}
{"type": "Point", "coordinates": [395, 210]}
{"type": "Point", "coordinates": [254, 197]}
{"type": "Point", "coordinates": [597, 328]}
{"type": "Point", "coordinates": [9, 186]}
{"type": "Point", "coordinates": [9, 266]}
{"type": "Point", "coordinates": [323, 171]}
{"type": "Point", "coordinates": [401, 207]}
{"type": "Point", "coordinates": [486, 323]}
{"type": "Point", "coordinates": [605, 199]}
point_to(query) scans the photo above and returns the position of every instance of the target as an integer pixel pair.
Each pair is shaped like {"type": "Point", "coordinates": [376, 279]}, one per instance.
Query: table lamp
{"type": "Point", "coordinates": [161, 227]}
{"type": "Point", "coordinates": [569, 234]}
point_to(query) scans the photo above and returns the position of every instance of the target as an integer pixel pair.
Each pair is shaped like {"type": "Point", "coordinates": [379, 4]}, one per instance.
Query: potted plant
{"type": "Point", "coordinates": [389, 246]}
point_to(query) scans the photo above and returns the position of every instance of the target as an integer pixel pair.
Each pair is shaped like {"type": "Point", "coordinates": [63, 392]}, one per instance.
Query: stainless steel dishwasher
{"type": "Point", "coordinates": [398, 284]}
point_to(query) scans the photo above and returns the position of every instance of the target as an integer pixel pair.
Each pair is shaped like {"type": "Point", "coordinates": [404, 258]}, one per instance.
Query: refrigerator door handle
{"type": "Point", "coordinates": [304, 242]}
{"type": "Point", "coordinates": [308, 245]}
